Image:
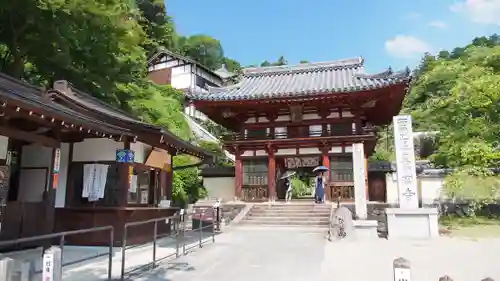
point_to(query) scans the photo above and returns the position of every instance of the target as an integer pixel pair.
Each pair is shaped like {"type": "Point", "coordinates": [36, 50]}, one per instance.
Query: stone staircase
{"type": "Point", "coordinates": [291, 215]}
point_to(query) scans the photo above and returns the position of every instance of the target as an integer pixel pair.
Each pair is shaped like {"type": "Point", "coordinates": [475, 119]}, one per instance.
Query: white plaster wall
{"type": "Point", "coordinates": [63, 176]}
{"type": "Point", "coordinates": [391, 185]}
{"type": "Point", "coordinates": [96, 150]}
{"type": "Point", "coordinates": [182, 78]}
{"type": "Point", "coordinates": [311, 150]}
{"type": "Point", "coordinates": [430, 189]}
{"type": "Point", "coordinates": [141, 150]}
{"type": "Point", "coordinates": [4, 145]}
{"type": "Point", "coordinates": [222, 188]}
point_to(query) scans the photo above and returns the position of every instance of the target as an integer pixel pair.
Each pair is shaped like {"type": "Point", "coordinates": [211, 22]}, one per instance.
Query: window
{"type": "Point", "coordinates": [255, 172]}
{"type": "Point", "coordinates": [138, 192]}
{"type": "Point", "coordinates": [341, 168]}
{"type": "Point", "coordinates": [257, 133]}
{"type": "Point", "coordinates": [341, 129]}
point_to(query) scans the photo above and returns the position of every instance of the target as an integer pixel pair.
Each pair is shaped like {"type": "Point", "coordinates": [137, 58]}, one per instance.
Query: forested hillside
{"type": "Point", "coordinates": [102, 48]}
{"type": "Point", "coordinates": [458, 94]}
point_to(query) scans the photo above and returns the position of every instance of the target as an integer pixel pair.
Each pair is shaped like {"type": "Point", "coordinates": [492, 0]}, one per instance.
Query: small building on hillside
{"type": "Point", "coordinates": [183, 73]}
{"type": "Point", "coordinates": [301, 116]}
{"type": "Point", "coordinates": [168, 68]}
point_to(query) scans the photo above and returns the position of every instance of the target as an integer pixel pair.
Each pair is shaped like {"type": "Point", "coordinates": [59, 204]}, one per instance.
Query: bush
{"type": "Point", "coordinates": [477, 186]}
{"type": "Point", "coordinates": [300, 188]}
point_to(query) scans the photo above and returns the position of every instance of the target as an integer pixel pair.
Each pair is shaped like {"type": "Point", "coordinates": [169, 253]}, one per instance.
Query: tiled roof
{"type": "Point", "coordinates": [153, 58]}
{"type": "Point", "coordinates": [302, 80]}
{"type": "Point", "coordinates": [224, 73]}
{"type": "Point", "coordinates": [16, 90]}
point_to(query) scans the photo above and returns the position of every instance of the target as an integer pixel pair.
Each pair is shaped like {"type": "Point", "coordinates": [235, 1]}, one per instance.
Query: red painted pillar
{"type": "Point", "coordinates": [326, 162]}
{"type": "Point", "coordinates": [271, 176]}
{"type": "Point", "coordinates": [238, 178]}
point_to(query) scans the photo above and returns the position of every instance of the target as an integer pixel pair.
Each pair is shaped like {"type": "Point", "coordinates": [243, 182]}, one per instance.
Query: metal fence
{"type": "Point", "coordinates": [61, 236]}
{"type": "Point", "coordinates": [185, 237]}
{"type": "Point", "coordinates": [179, 230]}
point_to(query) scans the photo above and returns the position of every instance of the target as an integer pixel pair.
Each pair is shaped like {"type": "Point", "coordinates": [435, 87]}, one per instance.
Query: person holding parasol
{"type": "Point", "coordinates": [287, 176]}
{"type": "Point", "coordinates": [319, 184]}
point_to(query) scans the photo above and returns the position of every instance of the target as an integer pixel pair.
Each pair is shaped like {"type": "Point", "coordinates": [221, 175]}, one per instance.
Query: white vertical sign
{"type": "Point", "coordinates": [358, 165]}
{"type": "Point", "coordinates": [405, 162]}
{"type": "Point", "coordinates": [48, 267]}
{"type": "Point", "coordinates": [402, 274]}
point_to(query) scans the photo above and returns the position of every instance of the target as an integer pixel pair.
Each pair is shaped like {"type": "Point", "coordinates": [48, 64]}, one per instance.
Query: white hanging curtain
{"type": "Point", "coordinates": [94, 181]}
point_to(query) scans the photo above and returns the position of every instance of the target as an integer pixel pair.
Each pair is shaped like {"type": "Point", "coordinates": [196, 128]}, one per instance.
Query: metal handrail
{"type": "Point", "coordinates": [179, 234]}
{"type": "Point", "coordinates": [64, 234]}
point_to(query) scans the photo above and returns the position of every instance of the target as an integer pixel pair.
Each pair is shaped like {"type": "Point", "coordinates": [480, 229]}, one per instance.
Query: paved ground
{"type": "Point", "coordinates": [270, 254]}
{"type": "Point", "coordinates": [251, 254]}
{"type": "Point", "coordinates": [279, 254]}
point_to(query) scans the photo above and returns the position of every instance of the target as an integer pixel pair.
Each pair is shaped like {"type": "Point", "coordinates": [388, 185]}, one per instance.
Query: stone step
{"type": "Point", "coordinates": [282, 214]}
{"type": "Point", "coordinates": [312, 219]}
{"type": "Point", "coordinates": [298, 206]}
{"type": "Point", "coordinates": [281, 222]}
{"type": "Point", "coordinates": [291, 212]}
{"type": "Point", "coordinates": [292, 208]}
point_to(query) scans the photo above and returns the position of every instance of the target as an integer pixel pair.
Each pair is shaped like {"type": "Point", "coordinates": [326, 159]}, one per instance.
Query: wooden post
{"type": "Point", "coordinates": [271, 176]}
{"type": "Point", "coordinates": [238, 177]}
{"type": "Point", "coordinates": [123, 170]}
{"type": "Point", "coordinates": [401, 269]}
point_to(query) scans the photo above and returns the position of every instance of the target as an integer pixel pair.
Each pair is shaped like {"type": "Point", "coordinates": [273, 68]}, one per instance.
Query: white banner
{"type": "Point", "coordinates": [405, 162]}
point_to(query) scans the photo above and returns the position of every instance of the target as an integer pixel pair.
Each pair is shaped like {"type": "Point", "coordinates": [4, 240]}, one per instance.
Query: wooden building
{"type": "Point", "coordinates": [302, 116]}
{"type": "Point", "coordinates": [47, 140]}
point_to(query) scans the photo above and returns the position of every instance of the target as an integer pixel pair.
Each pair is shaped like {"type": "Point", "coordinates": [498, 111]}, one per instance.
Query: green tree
{"type": "Point", "coordinates": [158, 26]}
{"type": "Point", "coordinates": [203, 49]}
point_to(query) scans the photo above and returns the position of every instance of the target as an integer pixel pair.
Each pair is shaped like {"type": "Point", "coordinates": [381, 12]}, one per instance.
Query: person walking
{"type": "Point", "coordinates": [287, 177]}
{"type": "Point", "coordinates": [289, 190]}
{"type": "Point", "coordinates": [320, 187]}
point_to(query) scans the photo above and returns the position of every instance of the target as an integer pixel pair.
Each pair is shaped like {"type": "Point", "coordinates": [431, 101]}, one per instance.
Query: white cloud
{"type": "Point", "coordinates": [404, 46]}
{"type": "Point", "coordinates": [412, 16]}
{"type": "Point", "coordinates": [479, 11]}
{"type": "Point", "coordinates": [438, 24]}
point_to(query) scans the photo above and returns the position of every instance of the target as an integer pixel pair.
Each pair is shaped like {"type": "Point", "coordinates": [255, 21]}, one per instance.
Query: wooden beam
{"type": "Point", "coordinates": [29, 137]}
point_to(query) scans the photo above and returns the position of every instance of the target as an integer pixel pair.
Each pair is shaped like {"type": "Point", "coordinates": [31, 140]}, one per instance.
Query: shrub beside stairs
{"type": "Point", "coordinates": [289, 215]}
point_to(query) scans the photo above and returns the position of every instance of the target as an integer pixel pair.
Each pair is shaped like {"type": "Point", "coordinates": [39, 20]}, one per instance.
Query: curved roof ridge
{"type": "Point", "coordinates": [304, 67]}
{"type": "Point", "coordinates": [212, 89]}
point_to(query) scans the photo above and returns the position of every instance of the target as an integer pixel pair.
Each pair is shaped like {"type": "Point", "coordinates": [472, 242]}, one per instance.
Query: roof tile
{"type": "Point", "coordinates": [302, 80]}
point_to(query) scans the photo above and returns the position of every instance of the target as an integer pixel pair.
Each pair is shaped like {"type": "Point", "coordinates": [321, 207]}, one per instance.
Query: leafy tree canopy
{"type": "Point", "coordinates": [457, 93]}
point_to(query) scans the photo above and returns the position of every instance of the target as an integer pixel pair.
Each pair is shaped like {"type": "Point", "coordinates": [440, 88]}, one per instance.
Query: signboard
{"type": "Point", "coordinates": [48, 267]}
{"type": "Point", "coordinates": [55, 180]}
{"type": "Point", "coordinates": [402, 274]}
{"type": "Point", "coordinates": [298, 162]}
{"type": "Point", "coordinates": [125, 156]}
{"type": "Point", "coordinates": [405, 162]}
{"type": "Point", "coordinates": [57, 160]}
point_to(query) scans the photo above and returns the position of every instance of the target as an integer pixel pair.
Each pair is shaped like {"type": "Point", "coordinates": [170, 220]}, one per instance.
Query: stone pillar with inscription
{"type": "Point", "coordinates": [408, 221]}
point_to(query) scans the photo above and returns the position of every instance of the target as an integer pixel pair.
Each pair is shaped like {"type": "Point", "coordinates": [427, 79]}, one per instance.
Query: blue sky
{"type": "Point", "coordinates": [385, 32]}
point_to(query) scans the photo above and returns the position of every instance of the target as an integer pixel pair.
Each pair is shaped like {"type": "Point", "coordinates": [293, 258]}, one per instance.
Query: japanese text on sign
{"type": "Point", "coordinates": [48, 267]}
{"type": "Point", "coordinates": [405, 162]}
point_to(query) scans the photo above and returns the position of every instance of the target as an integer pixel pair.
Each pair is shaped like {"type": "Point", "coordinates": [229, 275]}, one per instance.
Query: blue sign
{"type": "Point", "coordinates": [125, 156]}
